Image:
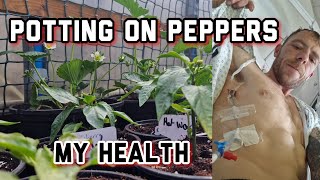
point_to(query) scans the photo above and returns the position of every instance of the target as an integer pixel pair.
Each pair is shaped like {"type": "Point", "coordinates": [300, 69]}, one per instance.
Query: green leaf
{"type": "Point", "coordinates": [172, 54]}
{"type": "Point", "coordinates": [124, 116]}
{"type": "Point", "coordinates": [32, 55]}
{"type": "Point", "coordinates": [93, 160]}
{"type": "Point", "coordinates": [200, 99]}
{"type": "Point", "coordinates": [61, 95]}
{"type": "Point", "coordinates": [47, 170]}
{"type": "Point", "coordinates": [180, 47]}
{"type": "Point", "coordinates": [21, 147]}
{"type": "Point", "coordinates": [8, 175]}
{"type": "Point", "coordinates": [6, 52]}
{"type": "Point", "coordinates": [135, 77]}
{"type": "Point", "coordinates": [145, 83]}
{"type": "Point", "coordinates": [133, 7]}
{"type": "Point", "coordinates": [44, 98]}
{"type": "Point", "coordinates": [130, 56]}
{"type": "Point", "coordinates": [96, 114]}
{"type": "Point", "coordinates": [208, 48]}
{"type": "Point", "coordinates": [130, 92]}
{"type": "Point", "coordinates": [76, 70]}
{"type": "Point", "coordinates": [7, 123]}
{"type": "Point", "coordinates": [81, 86]}
{"type": "Point", "coordinates": [89, 99]}
{"type": "Point", "coordinates": [104, 92]}
{"type": "Point", "coordinates": [145, 93]}
{"type": "Point", "coordinates": [71, 128]}
{"type": "Point", "coordinates": [203, 77]}
{"type": "Point", "coordinates": [168, 83]}
{"type": "Point", "coordinates": [59, 121]}
{"type": "Point", "coordinates": [179, 108]}
{"type": "Point", "coordinates": [33, 177]}
{"type": "Point", "coordinates": [120, 85]}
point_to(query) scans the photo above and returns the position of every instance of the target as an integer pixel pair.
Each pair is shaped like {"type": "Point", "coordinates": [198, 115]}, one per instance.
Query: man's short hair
{"type": "Point", "coordinates": [315, 33]}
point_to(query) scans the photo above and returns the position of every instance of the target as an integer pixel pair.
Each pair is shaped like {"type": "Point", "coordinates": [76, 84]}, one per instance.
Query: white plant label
{"type": "Point", "coordinates": [103, 134]}
{"type": "Point", "coordinates": [174, 127]}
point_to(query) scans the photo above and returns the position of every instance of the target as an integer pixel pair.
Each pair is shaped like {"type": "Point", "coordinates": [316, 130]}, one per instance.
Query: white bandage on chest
{"type": "Point", "coordinates": [246, 136]}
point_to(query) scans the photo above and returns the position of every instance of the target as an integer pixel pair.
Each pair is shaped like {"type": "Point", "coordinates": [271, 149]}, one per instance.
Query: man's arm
{"type": "Point", "coordinates": [313, 153]}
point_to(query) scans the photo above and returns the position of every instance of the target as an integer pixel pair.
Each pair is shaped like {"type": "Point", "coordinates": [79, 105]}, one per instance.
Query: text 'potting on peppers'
{"type": "Point", "coordinates": [122, 152]}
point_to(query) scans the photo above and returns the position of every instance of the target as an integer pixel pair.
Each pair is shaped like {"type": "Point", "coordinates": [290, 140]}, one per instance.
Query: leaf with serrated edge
{"type": "Point", "coordinates": [200, 99]}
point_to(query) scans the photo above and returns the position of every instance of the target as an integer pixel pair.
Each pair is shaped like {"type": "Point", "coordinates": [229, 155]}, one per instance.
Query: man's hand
{"type": "Point", "coordinates": [240, 4]}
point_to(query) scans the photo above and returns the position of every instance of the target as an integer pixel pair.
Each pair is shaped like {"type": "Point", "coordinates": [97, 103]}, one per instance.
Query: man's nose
{"type": "Point", "coordinates": [303, 56]}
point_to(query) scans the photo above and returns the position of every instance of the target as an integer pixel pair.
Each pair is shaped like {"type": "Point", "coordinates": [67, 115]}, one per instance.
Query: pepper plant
{"type": "Point", "coordinates": [190, 84]}
{"type": "Point", "coordinates": [73, 72]}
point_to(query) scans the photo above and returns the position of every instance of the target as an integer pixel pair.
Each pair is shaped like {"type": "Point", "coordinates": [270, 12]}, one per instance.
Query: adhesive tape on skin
{"type": "Point", "coordinates": [214, 157]}
{"type": "Point", "coordinates": [235, 112]}
{"type": "Point", "coordinates": [246, 136]}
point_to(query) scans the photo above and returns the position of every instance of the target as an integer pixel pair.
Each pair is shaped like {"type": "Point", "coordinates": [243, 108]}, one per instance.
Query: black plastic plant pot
{"type": "Point", "coordinates": [153, 173]}
{"type": "Point", "coordinates": [146, 111]}
{"type": "Point", "coordinates": [10, 163]}
{"type": "Point", "coordinates": [37, 123]}
{"type": "Point", "coordinates": [137, 113]}
{"type": "Point", "coordinates": [145, 130]}
{"type": "Point", "coordinates": [96, 174]}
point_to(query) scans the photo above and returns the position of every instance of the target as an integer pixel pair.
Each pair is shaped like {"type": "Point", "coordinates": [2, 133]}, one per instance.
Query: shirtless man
{"type": "Point", "coordinates": [281, 152]}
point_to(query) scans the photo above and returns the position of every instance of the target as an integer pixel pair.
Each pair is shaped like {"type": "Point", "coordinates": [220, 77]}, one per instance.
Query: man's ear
{"type": "Point", "coordinates": [277, 50]}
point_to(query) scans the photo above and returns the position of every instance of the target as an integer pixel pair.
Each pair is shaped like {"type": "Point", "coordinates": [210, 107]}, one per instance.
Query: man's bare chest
{"type": "Point", "coordinates": [272, 110]}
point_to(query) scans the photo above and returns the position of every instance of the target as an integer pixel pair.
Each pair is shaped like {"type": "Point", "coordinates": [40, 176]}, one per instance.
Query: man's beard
{"type": "Point", "coordinates": [280, 77]}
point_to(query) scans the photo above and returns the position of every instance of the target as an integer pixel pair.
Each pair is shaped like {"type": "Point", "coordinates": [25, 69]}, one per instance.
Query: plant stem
{"type": "Point", "coordinates": [194, 126]}
{"type": "Point", "coordinates": [135, 63]}
{"type": "Point", "coordinates": [90, 85]}
{"type": "Point", "coordinates": [158, 60]}
{"type": "Point", "coordinates": [52, 66]}
{"type": "Point", "coordinates": [94, 78]}
{"type": "Point", "coordinates": [35, 68]}
{"type": "Point", "coordinates": [193, 140]}
{"type": "Point", "coordinates": [57, 103]}
{"type": "Point", "coordinates": [98, 82]}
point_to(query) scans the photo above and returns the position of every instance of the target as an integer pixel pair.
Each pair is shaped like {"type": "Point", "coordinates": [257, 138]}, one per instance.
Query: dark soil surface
{"type": "Point", "coordinates": [145, 129]}
{"type": "Point", "coordinates": [200, 167]}
{"type": "Point", "coordinates": [8, 163]}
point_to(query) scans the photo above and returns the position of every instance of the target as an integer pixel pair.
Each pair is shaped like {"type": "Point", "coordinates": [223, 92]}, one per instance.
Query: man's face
{"type": "Point", "coordinates": [296, 59]}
